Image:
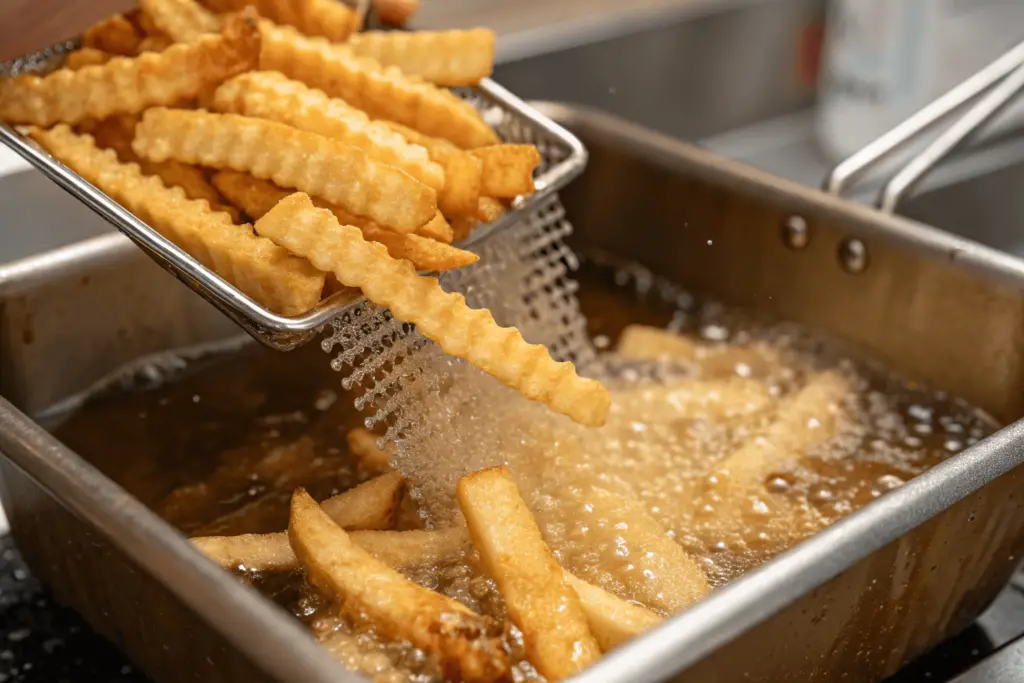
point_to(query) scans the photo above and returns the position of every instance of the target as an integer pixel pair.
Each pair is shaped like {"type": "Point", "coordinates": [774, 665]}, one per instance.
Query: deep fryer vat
{"type": "Point", "coordinates": [858, 599]}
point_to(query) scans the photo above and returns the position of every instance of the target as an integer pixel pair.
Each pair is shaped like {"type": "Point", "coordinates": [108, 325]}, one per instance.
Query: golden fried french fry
{"type": "Point", "coordinates": [155, 44]}
{"type": "Point", "coordinates": [443, 317]}
{"type": "Point", "coordinates": [694, 399]}
{"type": "Point", "coordinates": [331, 19]}
{"type": "Point", "coordinates": [437, 229]}
{"type": "Point", "coordinates": [371, 505]}
{"type": "Point", "coordinates": [114, 35]}
{"type": "Point", "coordinates": [183, 21]}
{"type": "Point", "coordinates": [383, 93]}
{"type": "Point", "coordinates": [539, 601]}
{"type": "Point", "coordinates": [463, 227]}
{"type": "Point", "coordinates": [273, 96]}
{"type": "Point", "coordinates": [612, 620]}
{"type": "Point", "coordinates": [341, 174]}
{"type": "Point", "coordinates": [269, 274]}
{"type": "Point", "coordinates": [811, 416]}
{"type": "Point", "coordinates": [116, 133]}
{"type": "Point", "coordinates": [143, 24]}
{"type": "Point", "coordinates": [362, 443]}
{"type": "Point", "coordinates": [462, 171]}
{"type": "Point", "coordinates": [643, 342]}
{"type": "Point", "coordinates": [256, 197]}
{"type": "Point", "coordinates": [395, 12]}
{"type": "Point", "coordinates": [125, 85]}
{"type": "Point", "coordinates": [250, 552]}
{"type": "Point", "coordinates": [273, 552]}
{"type": "Point", "coordinates": [465, 643]}
{"type": "Point", "coordinates": [508, 169]}
{"type": "Point", "coordinates": [250, 194]}
{"type": "Point", "coordinates": [489, 209]}
{"type": "Point", "coordinates": [652, 565]}
{"type": "Point", "coordinates": [449, 58]}
{"type": "Point", "coordinates": [413, 548]}
{"type": "Point", "coordinates": [86, 56]}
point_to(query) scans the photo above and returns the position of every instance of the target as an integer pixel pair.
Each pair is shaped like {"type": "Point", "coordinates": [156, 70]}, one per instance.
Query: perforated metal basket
{"type": "Point", "coordinates": [563, 158]}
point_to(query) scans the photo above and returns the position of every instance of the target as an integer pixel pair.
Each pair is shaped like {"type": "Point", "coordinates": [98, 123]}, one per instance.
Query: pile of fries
{"type": "Point", "coordinates": [348, 552]}
{"type": "Point", "coordinates": [295, 157]}
{"type": "Point", "coordinates": [351, 553]}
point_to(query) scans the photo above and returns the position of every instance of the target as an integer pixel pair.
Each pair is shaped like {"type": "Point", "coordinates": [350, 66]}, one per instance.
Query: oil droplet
{"type": "Point", "coordinates": [821, 494]}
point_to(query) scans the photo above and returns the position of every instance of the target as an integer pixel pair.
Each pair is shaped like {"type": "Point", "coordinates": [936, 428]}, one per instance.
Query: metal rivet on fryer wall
{"type": "Point", "coordinates": [796, 233]}
{"type": "Point", "coordinates": [853, 256]}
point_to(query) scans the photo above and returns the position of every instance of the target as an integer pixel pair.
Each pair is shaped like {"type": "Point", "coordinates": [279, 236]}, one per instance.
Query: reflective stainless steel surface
{"type": "Point", "coordinates": [937, 308]}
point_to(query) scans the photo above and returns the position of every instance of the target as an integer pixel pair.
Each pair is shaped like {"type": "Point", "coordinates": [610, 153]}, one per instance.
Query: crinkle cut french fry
{"type": "Point", "coordinates": [694, 399]}
{"type": "Point", "coordinates": [539, 601]}
{"type": "Point", "coordinates": [273, 96]}
{"type": "Point", "coordinates": [612, 620]}
{"type": "Point", "coordinates": [437, 229]}
{"type": "Point", "coordinates": [114, 35]}
{"type": "Point", "coordinates": [155, 44]}
{"type": "Point", "coordinates": [256, 197]}
{"type": "Point", "coordinates": [395, 12]}
{"type": "Point", "coordinates": [507, 169]}
{"type": "Point", "coordinates": [382, 92]}
{"type": "Point", "coordinates": [116, 133]}
{"type": "Point", "coordinates": [811, 416]}
{"type": "Point", "coordinates": [125, 85]}
{"type": "Point", "coordinates": [331, 19]}
{"type": "Point", "coordinates": [143, 24]}
{"type": "Point", "coordinates": [450, 58]}
{"type": "Point", "coordinates": [264, 271]}
{"type": "Point", "coordinates": [250, 194]}
{"type": "Point", "coordinates": [657, 569]}
{"type": "Point", "coordinates": [489, 209]}
{"type": "Point", "coordinates": [465, 643]}
{"type": "Point", "coordinates": [86, 56]}
{"type": "Point", "coordinates": [180, 20]}
{"type": "Point", "coordinates": [463, 227]}
{"type": "Point", "coordinates": [273, 552]}
{"type": "Point", "coordinates": [462, 171]}
{"type": "Point", "coordinates": [341, 174]}
{"type": "Point", "coordinates": [444, 317]}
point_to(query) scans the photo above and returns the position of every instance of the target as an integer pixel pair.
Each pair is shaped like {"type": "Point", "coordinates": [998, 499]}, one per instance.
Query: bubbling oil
{"type": "Point", "coordinates": [730, 439]}
{"type": "Point", "coordinates": [820, 434]}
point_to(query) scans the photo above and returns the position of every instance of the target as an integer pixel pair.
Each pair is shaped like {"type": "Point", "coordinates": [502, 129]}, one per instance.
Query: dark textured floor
{"type": "Point", "coordinates": [42, 642]}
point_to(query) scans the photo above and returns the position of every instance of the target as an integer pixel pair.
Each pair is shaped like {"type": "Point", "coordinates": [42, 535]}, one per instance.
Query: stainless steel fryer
{"type": "Point", "coordinates": [852, 603]}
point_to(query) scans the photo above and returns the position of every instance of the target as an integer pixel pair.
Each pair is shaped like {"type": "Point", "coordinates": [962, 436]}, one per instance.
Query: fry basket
{"type": "Point", "coordinates": [562, 159]}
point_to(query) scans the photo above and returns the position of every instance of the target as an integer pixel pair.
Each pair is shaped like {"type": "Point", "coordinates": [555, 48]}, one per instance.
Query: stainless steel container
{"type": "Point", "coordinates": [851, 604]}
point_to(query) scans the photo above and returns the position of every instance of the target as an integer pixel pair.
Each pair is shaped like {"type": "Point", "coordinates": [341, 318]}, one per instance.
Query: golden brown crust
{"type": "Point", "coordinates": [382, 92]}
{"type": "Point", "coordinates": [129, 85]}
{"type": "Point", "coordinates": [444, 317]}
{"type": "Point", "coordinates": [269, 274]}
{"type": "Point", "coordinates": [341, 174]}
{"type": "Point", "coordinates": [450, 58]}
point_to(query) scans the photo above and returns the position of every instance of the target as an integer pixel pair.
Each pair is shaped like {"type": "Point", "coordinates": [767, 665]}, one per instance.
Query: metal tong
{"type": "Point", "coordinates": [994, 87]}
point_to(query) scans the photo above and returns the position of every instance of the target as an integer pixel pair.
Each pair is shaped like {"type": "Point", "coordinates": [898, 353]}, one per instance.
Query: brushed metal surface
{"type": "Point", "coordinates": [859, 599]}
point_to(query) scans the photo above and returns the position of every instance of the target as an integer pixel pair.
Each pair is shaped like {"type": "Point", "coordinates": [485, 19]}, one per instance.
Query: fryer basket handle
{"type": "Point", "coordinates": [996, 84]}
